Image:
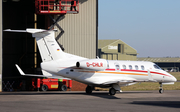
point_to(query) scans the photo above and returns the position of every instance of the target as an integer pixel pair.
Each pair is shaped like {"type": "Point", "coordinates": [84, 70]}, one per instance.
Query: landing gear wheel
{"type": "Point", "coordinates": [44, 87]}
{"type": "Point", "coordinates": [112, 91]}
{"type": "Point", "coordinates": [63, 88]}
{"type": "Point", "coordinates": [161, 91]}
{"type": "Point", "coordinates": [88, 90]}
{"type": "Point", "coordinates": [161, 88]}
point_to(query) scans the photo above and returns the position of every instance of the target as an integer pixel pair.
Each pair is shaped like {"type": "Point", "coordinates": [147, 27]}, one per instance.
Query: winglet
{"type": "Point", "coordinates": [150, 77]}
{"type": "Point", "coordinates": [19, 69]}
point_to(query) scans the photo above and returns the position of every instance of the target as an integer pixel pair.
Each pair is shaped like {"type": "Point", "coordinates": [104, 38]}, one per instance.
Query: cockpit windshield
{"type": "Point", "coordinates": [157, 67]}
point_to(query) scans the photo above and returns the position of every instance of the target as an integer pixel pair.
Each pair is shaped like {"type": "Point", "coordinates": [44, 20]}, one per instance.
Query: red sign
{"type": "Point", "coordinates": [95, 64]}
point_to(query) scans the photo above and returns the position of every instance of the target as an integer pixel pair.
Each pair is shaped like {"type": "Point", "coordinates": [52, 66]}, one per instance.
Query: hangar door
{"type": "Point", "coordinates": [19, 48]}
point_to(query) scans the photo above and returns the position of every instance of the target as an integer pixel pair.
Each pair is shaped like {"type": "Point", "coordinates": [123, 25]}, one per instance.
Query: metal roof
{"type": "Point", "coordinates": [103, 43]}
{"type": "Point", "coordinates": [163, 59]}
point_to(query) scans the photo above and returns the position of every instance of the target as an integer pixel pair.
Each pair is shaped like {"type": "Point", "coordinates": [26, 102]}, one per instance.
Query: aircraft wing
{"type": "Point", "coordinates": [125, 81]}
{"type": "Point", "coordinates": [122, 81]}
{"type": "Point", "coordinates": [46, 74]}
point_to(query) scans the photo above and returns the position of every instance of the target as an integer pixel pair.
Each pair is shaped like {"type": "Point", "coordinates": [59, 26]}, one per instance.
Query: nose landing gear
{"type": "Point", "coordinates": [161, 88]}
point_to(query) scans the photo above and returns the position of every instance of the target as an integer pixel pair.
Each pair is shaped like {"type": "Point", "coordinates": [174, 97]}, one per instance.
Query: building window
{"type": "Point", "coordinates": [119, 48]}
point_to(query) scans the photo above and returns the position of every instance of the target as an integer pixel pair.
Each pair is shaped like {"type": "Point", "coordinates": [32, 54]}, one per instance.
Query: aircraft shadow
{"type": "Point", "coordinates": [136, 92]}
{"type": "Point", "coordinates": [104, 95]}
{"type": "Point", "coordinates": [172, 104]}
{"type": "Point", "coordinates": [99, 94]}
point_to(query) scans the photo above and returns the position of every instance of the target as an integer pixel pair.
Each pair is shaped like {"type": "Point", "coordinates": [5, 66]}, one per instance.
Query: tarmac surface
{"type": "Point", "coordinates": [56, 101]}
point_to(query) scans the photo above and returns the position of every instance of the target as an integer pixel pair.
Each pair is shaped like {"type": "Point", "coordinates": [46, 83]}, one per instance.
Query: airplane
{"type": "Point", "coordinates": [112, 74]}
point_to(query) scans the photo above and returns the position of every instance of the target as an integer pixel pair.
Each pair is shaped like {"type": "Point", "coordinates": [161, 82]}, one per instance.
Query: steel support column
{"type": "Point", "coordinates": [1, 45]}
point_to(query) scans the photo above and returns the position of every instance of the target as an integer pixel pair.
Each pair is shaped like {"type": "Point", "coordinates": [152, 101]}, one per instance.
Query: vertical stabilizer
{"type": "Point", "coordinates": [48, 46]}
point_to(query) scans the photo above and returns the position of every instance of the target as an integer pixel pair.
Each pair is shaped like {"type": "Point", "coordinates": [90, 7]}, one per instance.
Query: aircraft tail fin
{"type": "Point", "coordinates": [48, 46]}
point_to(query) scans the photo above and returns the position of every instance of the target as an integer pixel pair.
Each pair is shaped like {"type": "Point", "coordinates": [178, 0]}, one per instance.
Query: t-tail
{"type": "Point", "coordinates": [48, 46]}
{"type": "Point", "coordinates": [49, 50]}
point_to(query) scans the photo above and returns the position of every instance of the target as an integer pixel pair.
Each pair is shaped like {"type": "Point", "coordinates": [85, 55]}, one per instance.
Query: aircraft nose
{"type": "Point", "coordinates": [174, 79]}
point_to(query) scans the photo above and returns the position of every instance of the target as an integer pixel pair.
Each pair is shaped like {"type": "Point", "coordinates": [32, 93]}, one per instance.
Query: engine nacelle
{"type": "Point", "coordinates": [93, 64]}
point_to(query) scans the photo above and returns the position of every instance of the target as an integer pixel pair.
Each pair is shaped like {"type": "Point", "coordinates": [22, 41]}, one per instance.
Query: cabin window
{"type": "Point", "coordinates": [136, 67]}
{"type": "Point", "coordinates": [130, 67]}
{"type": "Point", "coordinates": [117, 67]}
{"type": "Point", "coordinates": [142, 67]}
{"type": "Point", "coordinates": [157, 67]}
{"type": "Point", "coordinates": [124, 66]}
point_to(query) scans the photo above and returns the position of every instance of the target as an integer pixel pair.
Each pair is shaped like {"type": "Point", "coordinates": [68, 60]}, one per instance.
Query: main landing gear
{"type": "Point", "coordinates": [161, 88]}
{"type": "Point", "coordinates": [89, 89]}
{"type": "Point", "coordinates": [112, 91]}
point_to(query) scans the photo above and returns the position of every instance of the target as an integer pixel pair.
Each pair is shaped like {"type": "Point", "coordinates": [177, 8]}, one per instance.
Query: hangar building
{"type": "Point", "coordinates": [116, 50]}
{"type": "Point", "coordinates": [77, 33]}
{"type": "Point", "coordinates": [167, 63]}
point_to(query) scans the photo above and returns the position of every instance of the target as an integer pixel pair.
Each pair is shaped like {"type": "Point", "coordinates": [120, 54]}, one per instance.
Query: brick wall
{"type": "Point", "coordinates": [77, 86]}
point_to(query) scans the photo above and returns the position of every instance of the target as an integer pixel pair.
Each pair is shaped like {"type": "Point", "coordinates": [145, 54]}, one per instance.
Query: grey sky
{"type": "Point", "coordinates": [152, 27]}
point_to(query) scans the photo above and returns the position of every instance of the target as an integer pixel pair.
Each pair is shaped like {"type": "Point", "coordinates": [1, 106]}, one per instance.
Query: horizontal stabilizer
{"type": "Point", "coordinates": [28, 30]}
{"type": "Point", "coordinates": [9, 30]}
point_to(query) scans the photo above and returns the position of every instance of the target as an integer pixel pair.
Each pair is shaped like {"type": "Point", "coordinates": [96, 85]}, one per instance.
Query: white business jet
{"type": "Point", "coordinates": [93, 72]}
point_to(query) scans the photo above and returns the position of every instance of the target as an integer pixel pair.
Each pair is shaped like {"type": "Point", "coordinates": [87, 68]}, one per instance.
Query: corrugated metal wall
{"type": "Point", "coordinates": [116, 50]}
{"type": "Point", "coordinates": [80, 35]}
